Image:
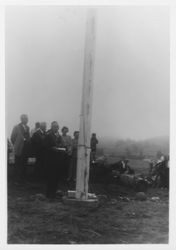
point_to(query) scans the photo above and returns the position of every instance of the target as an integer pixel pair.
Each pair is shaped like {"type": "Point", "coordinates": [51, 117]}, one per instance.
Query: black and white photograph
{"type": "Point", "coordinates": [87, 121]}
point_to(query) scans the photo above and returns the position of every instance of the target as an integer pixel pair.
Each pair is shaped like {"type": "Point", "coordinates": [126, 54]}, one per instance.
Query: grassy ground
{"type": "Point", "coordinates": [115, 221]}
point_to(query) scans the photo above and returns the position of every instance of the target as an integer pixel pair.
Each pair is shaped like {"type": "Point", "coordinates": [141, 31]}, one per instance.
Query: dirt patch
{"type": "Point", "coordinates": [115, 221]}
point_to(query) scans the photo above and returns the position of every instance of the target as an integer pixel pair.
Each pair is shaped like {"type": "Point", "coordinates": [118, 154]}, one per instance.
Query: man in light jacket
{"type": "Point", "coordinates": [20, 139]}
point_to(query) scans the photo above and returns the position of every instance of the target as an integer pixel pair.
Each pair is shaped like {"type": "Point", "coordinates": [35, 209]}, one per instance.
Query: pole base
{"type": "Point", "coordinates": [70, 199]}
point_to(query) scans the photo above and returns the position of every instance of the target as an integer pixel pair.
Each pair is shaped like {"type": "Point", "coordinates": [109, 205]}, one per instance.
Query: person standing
{"type": "Point", "coordinates": [67, 144]}
{"type": "Point", "coordinates": [20, 139]}
{"type": "Point", "coordinates": [37, 126]}
{"type": "Point", "coordinates": [38, 145]}
{"type": "Point", "coordinates": [73, 162]}
{"type": "Point", "coordinates": [53, 142]}
{"type": "Point", "coordinates": [93, 145]}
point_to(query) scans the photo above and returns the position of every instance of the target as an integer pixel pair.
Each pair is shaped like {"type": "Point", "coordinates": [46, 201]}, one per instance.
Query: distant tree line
{"type": "Point", "coordinates": [136, 149]}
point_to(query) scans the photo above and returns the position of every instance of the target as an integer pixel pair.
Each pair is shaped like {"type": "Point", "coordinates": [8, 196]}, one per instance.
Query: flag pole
{"type": "Point", "coordinates": [83, 156]}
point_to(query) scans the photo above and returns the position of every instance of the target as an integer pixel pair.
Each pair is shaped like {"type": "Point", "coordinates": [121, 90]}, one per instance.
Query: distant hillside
{"type": "Point", "coordinates": [148, 147]}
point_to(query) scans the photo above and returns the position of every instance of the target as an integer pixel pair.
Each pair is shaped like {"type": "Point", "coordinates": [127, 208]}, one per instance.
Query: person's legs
{"type": "Point", "coordinates": [53, 175]}
{"type": "Point", "coordinates": [17, 168]}
{"type": "Point", "coordinates": [74, 168]}
{"type": "Point", "coordinates": [70, 170]}
{"type": "Point", "coordinates": [51, 184]}
{"type": "Point", "coordinates": [62, 162]}
{"type": "Point", "coordinates": [24, 160]}
{"type": "Point", "coordinates": [20, 167]}
{"type": "Point", "coordinates": [93, 155]}
{"type": "Point", "coordinates": [39, 168]}
{"type": "Point", "coordinates": [42, 168]}
{"type": "Point", "coordinates": [67, 166]}
{"type": "Point", "coordinates": [36, 170]}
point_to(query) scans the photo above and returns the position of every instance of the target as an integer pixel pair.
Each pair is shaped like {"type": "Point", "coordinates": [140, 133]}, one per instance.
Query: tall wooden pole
{"type": "Point", "coordinates": [82, 176]}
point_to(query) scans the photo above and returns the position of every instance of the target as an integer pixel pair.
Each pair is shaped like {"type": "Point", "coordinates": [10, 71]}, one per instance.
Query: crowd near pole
{"type": "Point", "coordinates": [82, 176]}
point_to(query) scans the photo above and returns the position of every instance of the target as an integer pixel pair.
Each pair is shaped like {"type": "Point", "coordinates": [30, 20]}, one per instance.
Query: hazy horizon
{"type": "Point", "coordinates": [115, 139]}
{"type": "Point", "coordinates": [44, 49]}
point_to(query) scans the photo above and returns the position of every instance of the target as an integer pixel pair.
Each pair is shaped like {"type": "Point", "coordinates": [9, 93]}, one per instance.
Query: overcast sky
{"type": "Point", "coordinates": [44, 68]}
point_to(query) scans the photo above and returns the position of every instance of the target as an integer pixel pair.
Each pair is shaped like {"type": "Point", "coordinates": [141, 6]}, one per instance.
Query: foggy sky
{"type": "Point", "coordinates": [44, 68]}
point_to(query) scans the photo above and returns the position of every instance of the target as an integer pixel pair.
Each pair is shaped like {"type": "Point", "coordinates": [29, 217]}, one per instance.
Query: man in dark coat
{"type": "Point", "coordinates": [38, 145]}
{"type": "Point", "coordinates": [53, 144]}
{"type": "Point", "coordinates": [20, 138]}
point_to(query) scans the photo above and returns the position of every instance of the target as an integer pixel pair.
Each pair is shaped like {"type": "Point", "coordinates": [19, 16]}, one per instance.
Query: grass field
{"type": "Point", "coordinates": [116, 221]}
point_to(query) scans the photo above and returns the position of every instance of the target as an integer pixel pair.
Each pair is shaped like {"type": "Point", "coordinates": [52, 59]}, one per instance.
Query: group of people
{"type": "Point", "coordinates": [55, 153]}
